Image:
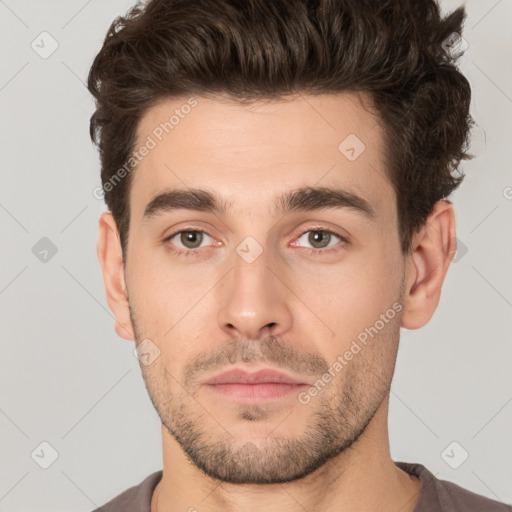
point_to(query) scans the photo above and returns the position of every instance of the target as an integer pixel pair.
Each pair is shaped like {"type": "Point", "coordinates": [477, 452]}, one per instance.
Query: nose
{"type": "Point", "coordinates": [255, 300]}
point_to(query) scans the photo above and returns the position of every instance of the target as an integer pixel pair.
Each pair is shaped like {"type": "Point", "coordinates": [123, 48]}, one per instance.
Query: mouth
{"type": "Point", "coordinates": [263, 385]}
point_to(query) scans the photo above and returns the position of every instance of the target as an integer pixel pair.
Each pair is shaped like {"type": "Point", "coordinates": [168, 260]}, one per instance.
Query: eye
{"type": "Point", "coordinates": [320, 239]}
{"type": "Point", "coordinates": [187, 242]}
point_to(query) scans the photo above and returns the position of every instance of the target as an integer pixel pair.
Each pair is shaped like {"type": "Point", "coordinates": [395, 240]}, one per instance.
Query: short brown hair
{"type": "Point", "coordinates": [251, 50]}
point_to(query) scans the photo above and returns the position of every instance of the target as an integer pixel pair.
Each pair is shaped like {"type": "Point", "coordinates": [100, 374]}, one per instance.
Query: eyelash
{"type": "Point", "coordinates": [198, 252]}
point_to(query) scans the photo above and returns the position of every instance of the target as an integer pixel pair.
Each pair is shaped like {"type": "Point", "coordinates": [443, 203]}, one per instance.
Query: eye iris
{"type": "Point", "coordinates": [319, 236]}
{"type": "Point", "coordinates": [195, 237]}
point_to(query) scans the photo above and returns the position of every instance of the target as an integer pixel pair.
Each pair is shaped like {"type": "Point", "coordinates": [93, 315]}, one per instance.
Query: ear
{"type": "Point", "coordinates": [111, 262]}
{"type": "Point", "coordinates": [432, 250]}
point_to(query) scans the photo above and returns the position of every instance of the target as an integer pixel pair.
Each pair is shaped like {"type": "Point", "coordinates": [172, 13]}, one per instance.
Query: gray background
{"type": "Point", "coordinates": [65, 376]}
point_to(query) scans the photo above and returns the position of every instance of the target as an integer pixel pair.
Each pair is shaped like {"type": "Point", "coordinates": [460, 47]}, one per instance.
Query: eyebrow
{"type": "Point", "coordinates": [302, 199]}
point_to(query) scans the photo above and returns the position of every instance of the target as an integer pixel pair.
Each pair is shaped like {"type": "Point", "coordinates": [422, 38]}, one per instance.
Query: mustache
{"type": "Point", "coordinates": [267, 350]}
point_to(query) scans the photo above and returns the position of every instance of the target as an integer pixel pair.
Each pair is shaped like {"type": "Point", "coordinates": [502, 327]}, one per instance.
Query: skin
{"type": "Point", "coordinates": [294, 308]}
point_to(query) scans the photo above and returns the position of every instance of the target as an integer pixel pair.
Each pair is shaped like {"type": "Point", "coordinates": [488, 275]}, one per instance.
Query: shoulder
{"type": "Point", "coordinates": [437, 495]}
{"type": "Point", "coordinates": [462, 499]}
{"type": "Point", "coordinates": [137, 498]}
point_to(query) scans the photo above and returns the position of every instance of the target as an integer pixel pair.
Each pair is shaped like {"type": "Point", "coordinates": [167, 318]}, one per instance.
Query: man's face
{"type": "Point", "coordinates": [261, 287]}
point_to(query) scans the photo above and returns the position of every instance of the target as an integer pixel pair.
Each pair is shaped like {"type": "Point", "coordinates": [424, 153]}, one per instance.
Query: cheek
{"type": "Point", "coordinates": [353, 296]}
{"type": "Point", "coordinates": [154, 305]}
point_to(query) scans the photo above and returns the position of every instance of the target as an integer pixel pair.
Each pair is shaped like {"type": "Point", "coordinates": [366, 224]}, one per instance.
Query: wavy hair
{"type": "Point", "coordinates": [252, 50]}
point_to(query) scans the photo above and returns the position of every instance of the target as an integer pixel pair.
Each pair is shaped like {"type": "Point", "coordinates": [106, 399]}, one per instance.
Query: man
{"type": "Point", "coordinates": [277, 176]}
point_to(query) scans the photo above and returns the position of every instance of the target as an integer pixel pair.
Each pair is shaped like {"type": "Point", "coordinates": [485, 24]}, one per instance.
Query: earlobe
{"type": "Point", "coordinates": [432, 251]}
{"type": "Point", "coordinates": [111, 262]}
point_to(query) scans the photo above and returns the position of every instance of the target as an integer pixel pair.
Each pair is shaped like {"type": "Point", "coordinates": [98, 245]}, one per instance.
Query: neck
{"type": "Point", "coordinates": [363, 477]}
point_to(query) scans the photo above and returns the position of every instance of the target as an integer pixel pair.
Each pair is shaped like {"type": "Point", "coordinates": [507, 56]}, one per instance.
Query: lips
{"type": "Point", "coordinates": [264, 376]}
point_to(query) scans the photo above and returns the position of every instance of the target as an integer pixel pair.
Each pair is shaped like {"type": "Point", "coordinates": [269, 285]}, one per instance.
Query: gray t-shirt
{"type": "Point", "coordinates": [435, 495]}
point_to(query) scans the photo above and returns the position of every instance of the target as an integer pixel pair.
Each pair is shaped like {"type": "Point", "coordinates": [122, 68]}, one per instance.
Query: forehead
{"type": "Point", "coordinates": [252, 153]}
